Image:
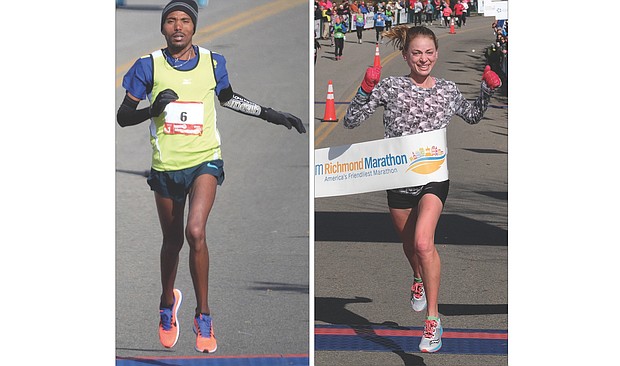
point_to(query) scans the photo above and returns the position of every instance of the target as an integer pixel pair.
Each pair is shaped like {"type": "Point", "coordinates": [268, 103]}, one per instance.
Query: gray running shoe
{"type": "Point", "coordinates": [431, 337]}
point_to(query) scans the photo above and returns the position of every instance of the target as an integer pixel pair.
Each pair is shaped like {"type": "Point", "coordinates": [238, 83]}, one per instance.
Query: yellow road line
{"type": "Point", "coordinates": [221, 28]}
{"type": "Point", "coordinates": [325, 128]}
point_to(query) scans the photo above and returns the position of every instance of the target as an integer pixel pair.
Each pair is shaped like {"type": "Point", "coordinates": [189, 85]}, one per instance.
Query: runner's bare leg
{"type": "Point", "coordinates": [171, 221]}
{"type": "Point", "coordinates": [201, 199]}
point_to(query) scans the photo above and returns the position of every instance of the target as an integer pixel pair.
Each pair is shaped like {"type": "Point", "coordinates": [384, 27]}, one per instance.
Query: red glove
{"type": "Point", "coordinates": [491, 78]}
{"type": "Point", "coordinates": [372, 77]}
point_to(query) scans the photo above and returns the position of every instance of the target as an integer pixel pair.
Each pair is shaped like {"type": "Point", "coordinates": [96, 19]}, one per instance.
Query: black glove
{"type": "Point", "coordinates": [283, 118]}
{"type": "Point", "coordinates": [161, 101]}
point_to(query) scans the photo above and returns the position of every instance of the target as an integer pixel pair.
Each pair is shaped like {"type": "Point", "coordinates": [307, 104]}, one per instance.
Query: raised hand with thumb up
{"type": "Point", "coordinates": [371, 78]}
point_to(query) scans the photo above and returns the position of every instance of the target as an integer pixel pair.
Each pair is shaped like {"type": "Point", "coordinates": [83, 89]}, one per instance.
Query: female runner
{"type": "Point", "coordinates": [418, 103]}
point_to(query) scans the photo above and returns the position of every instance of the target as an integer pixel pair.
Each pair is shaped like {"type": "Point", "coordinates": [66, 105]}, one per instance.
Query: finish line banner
{"type": "Point", "coordinates": [406, 161]}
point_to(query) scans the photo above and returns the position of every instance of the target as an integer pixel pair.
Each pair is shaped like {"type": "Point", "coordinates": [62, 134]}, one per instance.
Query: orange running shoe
{"type": "Point", "coordinates": [168, 323]}
{"type": "Point", "coordinates": [205, 340]}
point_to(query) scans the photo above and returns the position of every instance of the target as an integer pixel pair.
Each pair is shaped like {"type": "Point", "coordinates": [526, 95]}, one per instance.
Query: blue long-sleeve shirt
{"type": "Point", "coordinates": [379, 20]}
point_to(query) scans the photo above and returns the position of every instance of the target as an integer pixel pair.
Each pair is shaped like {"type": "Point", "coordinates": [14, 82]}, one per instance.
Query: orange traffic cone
{"type": "Point", "coordinates": [330, 106]}
{"type": "Point", "coordinates": [377, 62]}
{"type": "Point", "coordinates": [452, 25]}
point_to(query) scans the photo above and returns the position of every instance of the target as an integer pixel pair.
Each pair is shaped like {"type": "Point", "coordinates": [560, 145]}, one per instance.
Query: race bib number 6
{"type": "Point", "coordinates": [183, 118]}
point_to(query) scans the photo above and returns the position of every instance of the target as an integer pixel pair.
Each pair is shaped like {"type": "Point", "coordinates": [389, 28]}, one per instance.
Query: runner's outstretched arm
{"type": "Point", "coordinates": [238, 103]}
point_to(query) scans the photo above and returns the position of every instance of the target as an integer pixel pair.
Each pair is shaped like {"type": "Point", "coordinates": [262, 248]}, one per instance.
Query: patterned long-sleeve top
{"type": "Point", "coordinates": [409, 109]}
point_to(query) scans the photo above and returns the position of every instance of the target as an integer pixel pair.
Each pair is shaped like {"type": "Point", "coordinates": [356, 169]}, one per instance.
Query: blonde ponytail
{"type": "Point", "coordinates": [397, 36]}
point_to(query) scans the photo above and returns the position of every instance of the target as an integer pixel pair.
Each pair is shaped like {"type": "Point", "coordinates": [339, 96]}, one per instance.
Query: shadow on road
{"type": "Point", "coordinates": [368, 227]}
{"type": "Point", "coordinates": [473, 309]}
{"type": "Point", "coordinates": [143, 173]}
{"type": "Point", "coordinates": [277, 286]}
{"type": "Point", "coordinates": [333, 310]}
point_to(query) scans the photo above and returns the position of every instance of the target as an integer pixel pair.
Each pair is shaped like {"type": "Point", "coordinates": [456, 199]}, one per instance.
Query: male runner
{"type": "Point", "coordinates": [181, 82]}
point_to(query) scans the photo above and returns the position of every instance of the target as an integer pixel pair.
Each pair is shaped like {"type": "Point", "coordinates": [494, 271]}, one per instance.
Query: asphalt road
{"type": "Point", "coordinates": [257, 232]}
{"type": "Point", "coordinates": [361, 276]}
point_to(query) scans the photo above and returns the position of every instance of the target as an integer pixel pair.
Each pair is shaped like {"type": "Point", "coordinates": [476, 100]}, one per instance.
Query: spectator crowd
{"type": "Point", "coordinates": [334, 19]}
{"type": "Point", "coordinates": [497, 53]}
{"type": "Point", "coordinates": [417, 12]}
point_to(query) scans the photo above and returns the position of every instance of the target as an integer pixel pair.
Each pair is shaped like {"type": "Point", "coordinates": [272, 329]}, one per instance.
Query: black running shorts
{"type": "Point", "coordinates": [176, 184]}
{"type": "Point", "coordinates": [403, 200]}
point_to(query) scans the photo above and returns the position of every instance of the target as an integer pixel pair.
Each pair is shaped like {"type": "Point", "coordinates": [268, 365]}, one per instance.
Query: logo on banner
{"type": "Point", "coordinates": [426, 160]}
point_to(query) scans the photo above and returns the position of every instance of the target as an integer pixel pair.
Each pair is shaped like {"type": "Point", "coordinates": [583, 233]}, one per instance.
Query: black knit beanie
{"type": "Point", "coordinates": [187, 6]}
